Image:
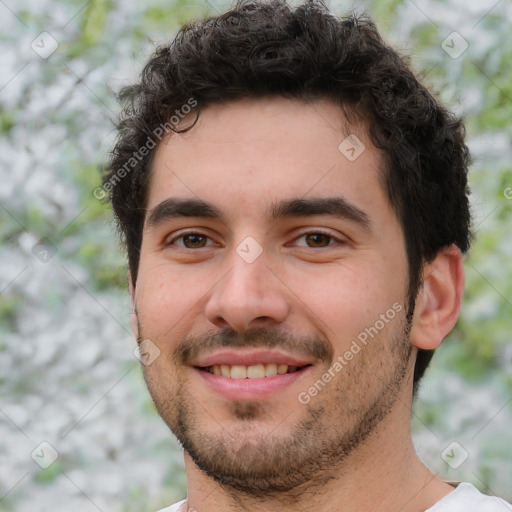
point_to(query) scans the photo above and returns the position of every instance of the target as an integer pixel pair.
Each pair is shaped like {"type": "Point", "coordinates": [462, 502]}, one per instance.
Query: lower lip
{"type": "Point", "coordinates": [251, 389]}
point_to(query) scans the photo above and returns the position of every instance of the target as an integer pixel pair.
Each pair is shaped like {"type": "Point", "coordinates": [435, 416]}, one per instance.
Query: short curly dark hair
{"type": "Point", "coordinates": [264, 48]}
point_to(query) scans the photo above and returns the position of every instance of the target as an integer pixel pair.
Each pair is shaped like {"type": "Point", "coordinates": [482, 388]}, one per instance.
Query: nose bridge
{"type": "Point", "coordinates": [245, 281]}
{"type": "Point", "coordinates": [248, 292]}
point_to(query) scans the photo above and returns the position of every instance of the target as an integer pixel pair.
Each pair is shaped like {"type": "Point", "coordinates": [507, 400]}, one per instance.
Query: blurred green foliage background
{"type": "Point", "coordinates": [68, 373]}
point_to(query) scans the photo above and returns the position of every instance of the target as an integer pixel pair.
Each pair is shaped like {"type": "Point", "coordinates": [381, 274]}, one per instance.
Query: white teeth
{"type": "Point", "coordinates": [270, 370]}
{"type": "Point", "coordinates": [238, 372]}
{"type": "Point", "coordinates": [255, 371]}
{"type": "Point", "coordinates": [282, 368]}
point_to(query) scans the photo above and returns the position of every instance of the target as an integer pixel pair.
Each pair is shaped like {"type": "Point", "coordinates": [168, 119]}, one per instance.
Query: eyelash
{"type": "Point", "coordinates": [315, 232]}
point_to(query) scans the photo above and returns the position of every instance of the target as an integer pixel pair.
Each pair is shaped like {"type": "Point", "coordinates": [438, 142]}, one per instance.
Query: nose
{"type": "Point", "coordinates": [249, 295]}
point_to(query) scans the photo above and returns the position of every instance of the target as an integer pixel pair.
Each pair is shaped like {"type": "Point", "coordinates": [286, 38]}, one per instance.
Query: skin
{"type": "Point", "coordinates": [350, 447]}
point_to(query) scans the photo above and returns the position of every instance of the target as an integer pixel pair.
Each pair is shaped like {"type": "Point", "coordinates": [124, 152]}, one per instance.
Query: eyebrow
{"type": "Point", "coordinates": [338, 207]}
{"type": "Point", "coordinates": [176, 207]}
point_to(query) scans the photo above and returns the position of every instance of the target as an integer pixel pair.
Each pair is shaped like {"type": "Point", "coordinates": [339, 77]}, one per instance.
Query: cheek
{"type": "Point", "coordinates": [164, 299]}
{"type": "Point", "coordinates": [344, 301]}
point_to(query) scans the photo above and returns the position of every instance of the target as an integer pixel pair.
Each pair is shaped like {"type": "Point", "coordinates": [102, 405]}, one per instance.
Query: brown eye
{"type": "Point", "coordinates": [194, 241]}
{"type": "Point", "coordinates": [318, 239]}
{"type": "Point", "coordinates": [190, 241]}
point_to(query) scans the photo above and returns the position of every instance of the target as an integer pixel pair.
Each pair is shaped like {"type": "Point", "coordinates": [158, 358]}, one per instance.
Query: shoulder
{"type": "Point", "coordinates": [174, 508]}
{"type": "Point", "coordinates": [466, 498]}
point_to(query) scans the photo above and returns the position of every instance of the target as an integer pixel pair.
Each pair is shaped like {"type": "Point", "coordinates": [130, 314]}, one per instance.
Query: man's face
{"type": "Point", "coordinates": [272, 275]}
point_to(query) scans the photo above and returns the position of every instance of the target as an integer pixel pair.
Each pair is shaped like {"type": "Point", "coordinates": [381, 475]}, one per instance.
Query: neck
{"type": "Point", "coordinates": [383, 474]}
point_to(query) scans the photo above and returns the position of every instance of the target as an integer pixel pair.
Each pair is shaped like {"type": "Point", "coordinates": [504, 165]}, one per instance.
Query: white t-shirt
{"type": "Point", "coordinates": [464, 498]}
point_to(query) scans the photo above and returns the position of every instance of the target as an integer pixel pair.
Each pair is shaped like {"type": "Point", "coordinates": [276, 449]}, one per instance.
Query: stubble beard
{"type": "Point", "coordinates": [322, 434]}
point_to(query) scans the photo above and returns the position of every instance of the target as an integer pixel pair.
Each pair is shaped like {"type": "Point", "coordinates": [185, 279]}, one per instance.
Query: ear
{"type": "Point", "coordinates": [439, 299]}
{"type": "Point", "coordinates": [133, 317]}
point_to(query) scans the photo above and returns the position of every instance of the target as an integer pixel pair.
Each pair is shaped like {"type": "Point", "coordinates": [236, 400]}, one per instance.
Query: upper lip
{"type": "Point", "coordinates": [249, 358]}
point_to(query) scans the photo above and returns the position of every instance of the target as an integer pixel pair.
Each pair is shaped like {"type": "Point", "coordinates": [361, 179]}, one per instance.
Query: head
{"type": "Point", "coordinates": [243, 111]}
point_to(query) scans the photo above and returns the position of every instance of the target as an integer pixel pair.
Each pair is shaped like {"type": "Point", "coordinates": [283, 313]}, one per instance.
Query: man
{"type": "Point", "coordinates": [294, 205]}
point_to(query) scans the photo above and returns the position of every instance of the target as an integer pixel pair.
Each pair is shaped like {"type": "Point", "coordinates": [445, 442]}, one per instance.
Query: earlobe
{"type": "Point", "coordinates": [133, 316]}
{"type": "Point", "coordinates": [439, 300]}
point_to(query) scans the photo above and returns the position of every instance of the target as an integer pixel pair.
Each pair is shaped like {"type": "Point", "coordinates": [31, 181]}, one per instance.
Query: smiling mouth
{"type": "Point", "coordinates": [256, 371]}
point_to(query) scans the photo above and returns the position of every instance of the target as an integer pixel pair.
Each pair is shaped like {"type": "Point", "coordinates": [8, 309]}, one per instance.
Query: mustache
{"type": "Point", "coordinates": [309, 346]}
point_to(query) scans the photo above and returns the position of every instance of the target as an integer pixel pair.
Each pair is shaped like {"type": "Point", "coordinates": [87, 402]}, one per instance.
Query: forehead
{"type": "Point", "coordinates": [244, 155]}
